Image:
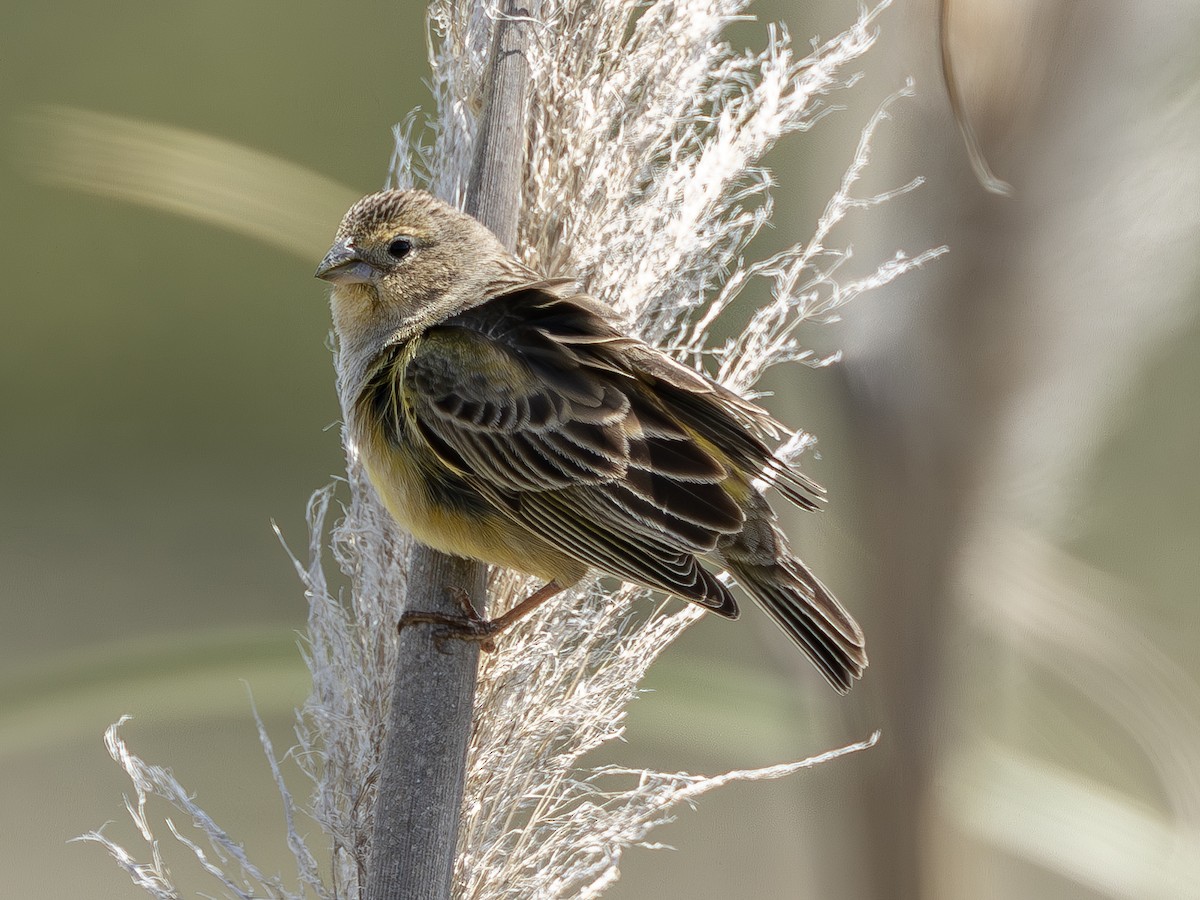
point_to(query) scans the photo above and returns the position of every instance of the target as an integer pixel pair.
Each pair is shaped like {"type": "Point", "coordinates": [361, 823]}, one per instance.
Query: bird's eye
{"type": "Point", "coordinates": [399, 248]}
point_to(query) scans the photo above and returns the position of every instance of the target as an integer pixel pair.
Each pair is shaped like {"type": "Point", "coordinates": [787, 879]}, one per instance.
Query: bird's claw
{"type": "Point", "coordinates": [470, 626]}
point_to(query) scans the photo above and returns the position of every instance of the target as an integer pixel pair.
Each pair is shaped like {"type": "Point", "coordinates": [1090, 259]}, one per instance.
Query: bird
{"type": "Point", "coordinates": [506, 416]}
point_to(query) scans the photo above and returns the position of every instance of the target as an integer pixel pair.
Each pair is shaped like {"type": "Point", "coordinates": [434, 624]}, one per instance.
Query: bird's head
{"type": "Point", "coordinates": [402, 261]}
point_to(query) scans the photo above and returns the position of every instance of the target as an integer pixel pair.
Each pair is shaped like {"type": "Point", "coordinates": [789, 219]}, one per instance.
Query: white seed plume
{"type": "Point", "coordinates": [647, 133]}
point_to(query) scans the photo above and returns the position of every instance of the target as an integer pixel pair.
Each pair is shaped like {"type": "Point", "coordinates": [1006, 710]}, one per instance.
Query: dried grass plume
{"type": "Point", "coordinates": [648, 130]}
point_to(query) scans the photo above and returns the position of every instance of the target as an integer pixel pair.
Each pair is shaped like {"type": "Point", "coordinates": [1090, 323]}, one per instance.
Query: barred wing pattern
{"type": "Point", "coordinates": [619, 457]}
{"type": "Point", "coordinates": [532, 399]}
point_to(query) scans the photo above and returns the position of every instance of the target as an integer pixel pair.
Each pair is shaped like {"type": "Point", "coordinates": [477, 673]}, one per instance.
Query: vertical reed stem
{"type": "Point", "coordinates": [424, 760]}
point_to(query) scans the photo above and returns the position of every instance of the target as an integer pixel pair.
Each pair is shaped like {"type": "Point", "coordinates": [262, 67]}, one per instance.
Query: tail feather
{"type": "Point", "coordinates": [808, 613]}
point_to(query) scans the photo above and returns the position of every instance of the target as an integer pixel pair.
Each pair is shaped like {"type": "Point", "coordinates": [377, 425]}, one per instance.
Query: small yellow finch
{"type": "Point", "coordinates": [503, 416]}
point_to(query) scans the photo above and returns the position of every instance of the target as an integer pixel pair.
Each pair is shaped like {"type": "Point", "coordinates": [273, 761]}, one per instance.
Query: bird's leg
{"type": "Point", "coordinates": [471, 626]}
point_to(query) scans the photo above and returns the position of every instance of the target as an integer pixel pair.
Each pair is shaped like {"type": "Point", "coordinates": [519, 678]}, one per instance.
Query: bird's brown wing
{"type": "Point", "coordinates": [729, 421]}
{"type": "Point", "coordinates": [557, 437]}
{"type": "Point", "coordinates": [550, 310]}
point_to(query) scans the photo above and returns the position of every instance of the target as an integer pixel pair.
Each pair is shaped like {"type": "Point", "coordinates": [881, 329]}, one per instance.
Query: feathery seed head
{"type": "Point", "coordinates": [642, 178]}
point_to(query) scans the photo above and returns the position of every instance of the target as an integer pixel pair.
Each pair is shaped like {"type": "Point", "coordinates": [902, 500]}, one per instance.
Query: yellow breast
{"type": "Point", "coordinates": [402, 480]}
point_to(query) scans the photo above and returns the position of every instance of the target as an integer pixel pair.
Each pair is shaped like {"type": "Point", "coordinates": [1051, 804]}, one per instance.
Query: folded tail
{"type": "Point", "coordinates": [807, 613]}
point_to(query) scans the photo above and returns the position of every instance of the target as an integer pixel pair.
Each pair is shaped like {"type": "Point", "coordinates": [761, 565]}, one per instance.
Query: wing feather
{"type": "Point", "coordinates": [562, 423]}
{"type": "Point", "coordinates": [575, 455]}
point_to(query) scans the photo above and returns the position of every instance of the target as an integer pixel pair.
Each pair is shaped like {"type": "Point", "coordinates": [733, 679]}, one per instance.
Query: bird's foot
{"type": "Point", "coordinates": [469, 626]}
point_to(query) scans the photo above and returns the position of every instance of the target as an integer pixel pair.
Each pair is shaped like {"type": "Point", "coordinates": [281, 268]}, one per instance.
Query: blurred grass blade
{"type": "Point", "coordinates": [1076, 827]}
{"type": "Point", "coordinates": [1064, 614]}
{"type": "Point", "coordinates": [979, 164]}
{"type": "Point", "coordinates": [1056, 604]}
{"type": "Point", "coordinates": [170, 677]}
{"type": "Point", "coordinates": [184, 172]}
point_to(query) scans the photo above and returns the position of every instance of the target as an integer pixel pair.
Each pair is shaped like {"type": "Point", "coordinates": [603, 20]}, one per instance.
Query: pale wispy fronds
{"type": "Point", "coordinates": [645, 181]}
{"type": "Point", "coordinates": [351, 651]}
{"type": "Point", "coordinates": [647, 167]}
{"type": "Point", "coordinates": [225, 860]}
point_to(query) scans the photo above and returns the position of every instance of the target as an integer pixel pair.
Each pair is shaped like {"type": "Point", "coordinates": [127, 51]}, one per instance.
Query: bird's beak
{"type": "Point", "coordinates": [343, 265]}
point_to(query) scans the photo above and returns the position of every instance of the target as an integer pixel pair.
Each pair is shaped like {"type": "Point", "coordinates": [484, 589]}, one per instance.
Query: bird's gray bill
{"type": "Point", "coordinates": [343, 265]}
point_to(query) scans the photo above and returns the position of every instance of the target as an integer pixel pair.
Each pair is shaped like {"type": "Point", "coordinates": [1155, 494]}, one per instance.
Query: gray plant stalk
{"type": "Point", "coordinates": [423, 768]}
{"type": "Point", "coordinates": [646, 133]}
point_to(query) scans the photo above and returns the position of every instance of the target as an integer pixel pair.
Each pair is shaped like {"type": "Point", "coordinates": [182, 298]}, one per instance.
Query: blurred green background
{"type": "Point", "coordinates": [1010, 446]}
